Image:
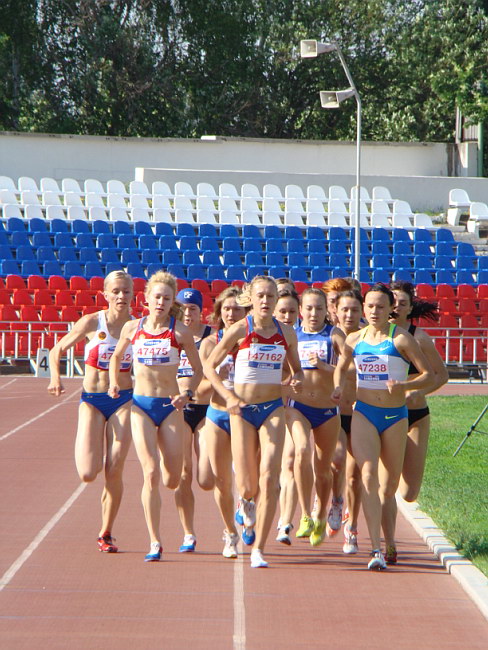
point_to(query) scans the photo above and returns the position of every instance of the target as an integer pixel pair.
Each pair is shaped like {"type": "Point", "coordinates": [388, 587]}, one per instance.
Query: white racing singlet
{"type": "Point", "coordinates": [99, 349]}
{"type": "Point", "coordinates": [259, 360]}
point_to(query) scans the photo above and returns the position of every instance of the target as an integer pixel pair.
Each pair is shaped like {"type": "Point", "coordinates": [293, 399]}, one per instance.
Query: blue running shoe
{"type": "Point", "coordinates": [154, 554]}
{"type": "Point", "coordinates": [239, 516]}
{"type": "Point", "coordinates": [189, 544]}
{"type": "Point", "coordinates": [248, 536]}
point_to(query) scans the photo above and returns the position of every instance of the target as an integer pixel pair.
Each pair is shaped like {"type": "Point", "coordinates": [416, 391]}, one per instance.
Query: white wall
{"type": "Point", "coordinates": [103, 158]}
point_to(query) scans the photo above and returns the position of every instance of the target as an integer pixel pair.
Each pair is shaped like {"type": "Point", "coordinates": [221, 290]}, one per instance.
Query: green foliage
{"type": "Point", "coordinates": [189, 67]}
{"type": "Point", "coordinates": [454, 489]}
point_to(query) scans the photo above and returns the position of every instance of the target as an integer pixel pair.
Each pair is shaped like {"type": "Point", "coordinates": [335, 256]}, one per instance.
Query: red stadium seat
{"type": "Point", "coordinates": [69, 314]}
{"type": "Point", "coordinates": [36, 282]}
{"type": "Point", "coordinates": [2, 284]}
{"type": "Point", "coordinates": [217, 286]}
{"type": "Point", "coordinates": [467, 306]}
{"type": "Point", "coordinates": [58, 327]}
{"type": "Point", "coordinates": [15, 282]}
{"type": "Point", "coordinates": [482, 291]}
{"type": "Point", "coordinates": [57, 283]}
{"type": "Point", "coordinates": [425, 291]}
{"type": "Point", "coordinates": [96, 283]}
{"type": "Point", "coordinates": [63, 298]}
{"type": "Point", "coordinates": [5, 295]}
{"type": "Point", "coordinates": [21, 297]}
{"type": "Point", "coordinates": [42, 297]}
{"type": "Point", "coordinates": [91, 309]}
{"type": "Point", "coordinates": [83, 299]}
{"type": "Point", "coordinates": [8, 313]}
{"type": "Point", "coordinates": [447, 306]}
{"type": "Point", "coordinates": [445, 291]}
{"type": "Point", "coordinates": [483, 306]}
{"type": "Point", "coordinates": [29, 313]}
{"type": "Point", "coordinates": [100, 301]}
{"type": "Point", "coordinates": [466, 291]}
{"type": "Point", "coordinates": [238, 283]}
{"type": "Point", "coordinates": [77, 283]}
{"type": "Point", "coordinates": [207, 302]}
{"type": "Point", "coordinates": [200, 285]}
{"type": "Point", "coordinates": [139, 284]}
{"type": "Point", "coordinates": [300, 286]}
{"type": "Point", "coordinates": [181, 284]}
{"type": "Point", "coordinates": [49, 314]}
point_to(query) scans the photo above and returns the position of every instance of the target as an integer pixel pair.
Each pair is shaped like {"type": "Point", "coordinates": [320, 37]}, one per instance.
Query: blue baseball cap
{"type": "Point", "coordinates": [190, 297]}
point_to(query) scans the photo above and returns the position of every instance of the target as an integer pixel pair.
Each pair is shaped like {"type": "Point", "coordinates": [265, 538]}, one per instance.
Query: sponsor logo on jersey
{"type": "Point", "coordinates": [370, 359]}
{"type": "Point", "coordinates": [102, 335]}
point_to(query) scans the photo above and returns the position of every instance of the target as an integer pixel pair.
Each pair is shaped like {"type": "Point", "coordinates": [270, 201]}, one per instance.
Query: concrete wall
{"type": "Point", "coordinates": [252, 160]}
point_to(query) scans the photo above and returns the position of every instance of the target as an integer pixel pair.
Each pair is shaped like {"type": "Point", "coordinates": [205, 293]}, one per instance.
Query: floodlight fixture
{"type": "Point", "coordinates": [332, 98]}
{"type": "Point", "coordinates": [312, 49]}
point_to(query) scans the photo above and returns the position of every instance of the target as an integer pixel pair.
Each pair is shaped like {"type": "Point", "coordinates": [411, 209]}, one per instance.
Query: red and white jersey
{"type": "Point", "coordinates": [259, 360]}
{"type": "Point", "coordinates": [156, 349]}
{"type": "Point", "coordinates": [99, 350]}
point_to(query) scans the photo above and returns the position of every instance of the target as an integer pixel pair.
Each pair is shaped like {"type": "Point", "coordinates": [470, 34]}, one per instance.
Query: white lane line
{"type": "Point", "coordinates": [21, 426]}
{"type": "Point", "coordinates": [8, 383]}
{"type": "Point", "coordinates": [26, 553]}
{"type": "Point", "coordinates": [239, 638]}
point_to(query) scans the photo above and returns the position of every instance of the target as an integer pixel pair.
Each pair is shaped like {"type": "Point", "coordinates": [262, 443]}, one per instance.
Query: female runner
{"type": "Point", "coordinates": [407, 308]}
{"type": "Point", "coordinates": [100, 418]}
{"type": "Point", "coordinates": [255, 404]}
{"type": "Point", "coordinates": [194, 416]}
{"type": "Point", "coordinates": [319, 344]}
{"type": "Point", "coordinates": [349, 313]}
{"type": "Point", "coordinates": [382, 352]}
{"type": "Point", "coordinates": [286, 311]}
{"type": "Point", "coordinates": [216, 432]}
{"type": "Point", "coordinates": [156, 417]}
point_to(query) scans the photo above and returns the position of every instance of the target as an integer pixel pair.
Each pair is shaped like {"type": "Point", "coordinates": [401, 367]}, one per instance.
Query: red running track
{"type": "Point", "coordinates": [58, 591]}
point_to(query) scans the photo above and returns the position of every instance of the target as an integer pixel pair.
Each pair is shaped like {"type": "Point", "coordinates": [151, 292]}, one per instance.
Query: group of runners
{"type": "Point", "coordinates": [279, 395]}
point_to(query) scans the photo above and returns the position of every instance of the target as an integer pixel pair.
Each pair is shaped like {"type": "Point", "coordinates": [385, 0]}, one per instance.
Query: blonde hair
{"type": "Point", "coordinates": [163, 277]}
{"type": "Point", "coordinates": [118, 275]}
{"type": "Point", "coordinates": [215, 317]}
{"type": "Point", "coordinates": [262, 278]}
{"type": "Point", "coordinates": [244, 297]}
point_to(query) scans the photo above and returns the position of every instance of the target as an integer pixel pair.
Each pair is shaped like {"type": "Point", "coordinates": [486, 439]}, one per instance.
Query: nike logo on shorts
{"type": "Point", "coordinates": [265, 408]}
{"type": "Point", "coordinates": [389, 417]}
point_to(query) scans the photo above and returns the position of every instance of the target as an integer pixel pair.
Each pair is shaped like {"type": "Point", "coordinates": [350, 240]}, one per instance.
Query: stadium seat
{"type": "Point", "coordinates": [136, 270]}
{"type": "Point", "coordinates": [150, 256]}
{"type": "Point", "coordinates": [216, 272]}
{"type": "Point", "coordinates": [73, 268]}
{"type": "Point", "coordinates": [49, 313]}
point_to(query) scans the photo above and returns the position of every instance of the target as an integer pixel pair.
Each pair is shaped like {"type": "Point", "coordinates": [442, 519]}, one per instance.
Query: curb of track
{"type": "Point", "coordinates": [472, 580]}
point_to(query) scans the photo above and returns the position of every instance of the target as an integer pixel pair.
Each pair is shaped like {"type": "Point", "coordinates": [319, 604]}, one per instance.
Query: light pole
{"type": "Point", "coordinates": [332, 99]}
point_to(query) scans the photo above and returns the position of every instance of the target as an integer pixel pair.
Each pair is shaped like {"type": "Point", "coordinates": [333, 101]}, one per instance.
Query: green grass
{"type": "Point", "coordinates": [455, 490]}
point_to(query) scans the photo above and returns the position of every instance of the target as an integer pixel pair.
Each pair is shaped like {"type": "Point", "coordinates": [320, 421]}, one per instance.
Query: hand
{"type": "Point", "coordinates": [313, 359]}
{"type": "Point", "coordinates": [336, 394]}
{"type": "Point", "coordinates": [234, 404]}
{"type": "Point", "coordinates": [297, 382]}
{"type": "Point", "coordinates": [395, 387]}
{"type": "Point", "coordinates": [113, 391]}
{"type": "Point", "coordinates": [179, 401]}
{"type": "Point", "coordinates": [55, 388]}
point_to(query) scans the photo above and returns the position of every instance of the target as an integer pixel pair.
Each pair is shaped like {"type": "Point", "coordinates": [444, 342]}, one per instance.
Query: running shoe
{"type": "Point", "coordinates": [189, 544]}
{"type": "Point", "coordinates": [306, 527]}
{"type": "Point", "coordinates": [248, 535]}
{"type": "Point", "coordinates": [249, 513]}
{"type": "Point", "coordinates": [230, 547]}
{"type": "Point", "coordinates": [391, 555]}
{"type": "Point", "coordinates": [284, 534]}
{"type": "Point", "coordinates": [334, 518]}
{"type": "Point", "coordinates": [239, 516]}
{"type": "Point", "coordinates": [351, 541]}
{"type": "Point", "coordinates": [257, 559]}
{"type": "Point", "coordinates": [345, 516]}
{"type": "Point", "coordinates": [318, 533]}
{"type": "Point", "coordinates": [154, 554]}
{"type": "Point", "coordinates": [377, 562]}
{"type": "Point", "coordinates": [106, 543]}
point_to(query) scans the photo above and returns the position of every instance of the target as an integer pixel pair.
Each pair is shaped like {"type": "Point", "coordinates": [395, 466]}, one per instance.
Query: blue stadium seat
{"type": "Point", "coordinates": [338, 260]}
{"type": "Point", "coordinates": [317, 246]}
{"type": "Point", "coordinates": [465, 249]}
{"type": "Point", "coordinates": [105, 241]}
{"type": "Point", "coordinates": [24, 254]}
{"type": "Point", "coordinates": [45, 254]}
{"type": "Point", "coordinates": [443, 262]}
{"type": "Point", "coordinates": [15, 224]}
{"type": "Point", "coordinates": [423, 262]}
{"type": "Point", "coordinates": [231, 244]}
{"type": "Point", "coordinates": [337, 233]}
{"type": "Point", "coordinates": [298, 274]}
{"type": "Point", "coordinates": [154, 268]}
{"type": "Point", "coordinates": [188, 242]}
{"type": "Point", "coordinates": [142, 228]}
{"type": "Point", "coordinates": [235, 273]}
{"type": "Point", "coordinates": [79, 226]}
{"type": "Point", "coordinates": [211, 258]}
{"type": "Point", "coordinates": [319, 274]}
{"type": "Point", "coordinates": [30, 267]}
{"type": "Point", "coordinates": [6, 253]}
{"type": "Point", "coordinates": [59, 225]}
{"type": "Point", "coordinates": [399, 234]}
{"type": "Point", "coordinates": [278, 271]}
{"type": "Point", "coordinates": [364, 248]}
{"type": "Point", "coordinates": [401, 261]}
{"type": "Point", "coordinates": [9, 267]}
{"type": "Point", "coordinates": [467, 277]}
{"type": "Point", "coordinates": [403, 274]}
{"type": "Point", "coordinates": [445, 248]}
{"type": "Point", "coordinates": [296, 246]}
{"type": "Point", "coordinates": [63, 239]}
{"type": "Point", "coordinates": [112, 266]}
{"type": "Point", "coordinates": [209, 244]}
{"type": "Point", "coordinates": [423, 276]}
{"type": "Point", "coordinates": [100, 227]}
{"type": "Point", "coordinates": [315, 233]}
{"type": "Point", "coordinates": [380, 235]}
{"type": "Point", "coordinates": [251, 232]}
{"type": "Point", "coordinates": [52, 268]}
{"type": "Point", "coordinates": [129, 256]}
{"type": "Point", "coordinates": [228, 230]}
{"type": "Point", "coordinates": [109, 256]}
{"type": "Point", "coordinates": [444, 277]}
{"type": "Point", "coordinates": [84, 240]}
{"type": "Point", "coordinates": [466, 263]}
{"type": "Point", "coordinates": [191, 257]}
{"type": "Point", "coordinates": [274, 245]}
{"type": "Point", "coordinates": [340, 271]}
{"type": "Point", "coordinates": [251, 245]}
{"type": "Point", "coordinates": [167, 243]}
{"type": "Point", "coordinates": [136, 270]}
{"type": "Point", "coordinates": [293, 232]}
{"type": "Point", "coordinates": [422, 235]}
{"type": "Point", "coordinates": [73, 268]}
{"type": "Point", "coordinates": [483, 276]}
{"type": "Point", "coordinates": [381, 262]}
{"type": "Point", "coordinates": [320, 260]}
{"type": "Point", "coordinates": [402, 248]}
{"type": "Point", "coordinates": [381, 275]}
{"type": "Point", "coordinates": [170, 258]}
{"type": "Point", "coordinates": [422, 248]}
{"type": "Point", "coordinates": [122, 228]}
{"type": "Point", "coordinates": [443, 234]}
{"type": "Point", "coordinates": [380, 248]}
{"type": "Point", "coordinates": [275, 259]}
{"type": "Point", "coordinates": [126, 241]}
{"type": "Point", "coordinates": [164, 229]}
{"type": "Point", "coordinates": [185, 230]}
{"type": "Point", "coordinates": [254, 270]}
{"type": "Point", "coordinates": [253, 259]}
{"type": "Point", "coordinates": [41, 239]}
{"type": "Point", "coordinates": [483, 263]}
{"type": "Point", "coordinates": [4, 238]}
{"type": "Point", "coordinates": [232, 258]}
{"type": "Point", "coordinates": [216, 272]}
{"type": "Point", "coordinates": [272, 232]}
{"type": "Point", "coordinates": [88, 255]}
{"type": "Point", "coordinates": [19, 238]}
{"type": "Point", "coordinates": [150, 256]}
{"type": "Point", "coordinates": [298, 260]}
{"type": "Point", "coordinates": [196, 271]}
{"type": "Point", "coordinates": [148, 242]}
{"type": "Point", "coordinates": [37, 225]}
{"type": "Point", "coordinates": [207, 230]}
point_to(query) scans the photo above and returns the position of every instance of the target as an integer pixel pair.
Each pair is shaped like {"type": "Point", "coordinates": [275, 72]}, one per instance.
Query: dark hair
{"type": "Point", "coordinates": [288, 293]}
{"type": "Point", "coordinates": [420, 308]}
{"type": "Point", "coordinates": [351, 293]}
{"type": "Point", "coordinates": [379, 287]}
{"type": "Point", "coordinates": [285, 281]}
